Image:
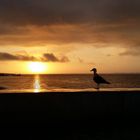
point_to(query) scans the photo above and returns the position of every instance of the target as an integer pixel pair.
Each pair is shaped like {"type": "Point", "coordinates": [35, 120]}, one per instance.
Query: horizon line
{"type": "Point", "coordinates": [66, 73]}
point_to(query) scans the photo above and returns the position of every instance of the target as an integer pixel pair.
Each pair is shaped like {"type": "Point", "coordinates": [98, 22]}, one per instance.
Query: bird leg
{"type": "Point", "coordinates": [98, 86]}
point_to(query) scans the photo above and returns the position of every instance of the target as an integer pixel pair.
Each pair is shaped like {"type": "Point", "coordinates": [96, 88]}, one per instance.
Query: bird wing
{"type": "Point", "coordinates": [100, 79]}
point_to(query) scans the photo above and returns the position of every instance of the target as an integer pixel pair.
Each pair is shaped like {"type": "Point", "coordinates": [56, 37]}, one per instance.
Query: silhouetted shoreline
{"type": "Point", "coordinates": [9, 74]}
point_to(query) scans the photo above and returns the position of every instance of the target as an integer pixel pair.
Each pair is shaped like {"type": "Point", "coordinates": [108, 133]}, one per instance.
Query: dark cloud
{"type": "Point", "coordinates": [47, 12]}
{"type": "Point", "coordinates": [11, 57]}
{"type": "Point", "coordinates": [47, 57]}
{"type": "Point", "coordinates": [7, 56]}
{"type": "Point", "coordinates": [34, 22]}
{"type": "Point", "coordinates": [50, 57]}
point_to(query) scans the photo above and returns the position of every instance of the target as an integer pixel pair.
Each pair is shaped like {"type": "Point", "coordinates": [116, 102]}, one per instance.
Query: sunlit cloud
{"type": "Point", "coordinates": [47, 57]}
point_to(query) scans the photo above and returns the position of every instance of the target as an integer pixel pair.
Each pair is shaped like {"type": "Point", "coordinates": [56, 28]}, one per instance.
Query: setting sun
{"type": "Point", "coordinates": [37, 67]}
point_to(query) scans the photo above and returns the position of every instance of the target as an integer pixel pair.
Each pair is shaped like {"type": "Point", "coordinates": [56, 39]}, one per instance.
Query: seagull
{"type": "Point", "coordinates": [98, 79]}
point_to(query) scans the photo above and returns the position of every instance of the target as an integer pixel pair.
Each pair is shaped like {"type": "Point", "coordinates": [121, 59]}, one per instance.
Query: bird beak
{"type": "Point", "coordinates": [91, 70]}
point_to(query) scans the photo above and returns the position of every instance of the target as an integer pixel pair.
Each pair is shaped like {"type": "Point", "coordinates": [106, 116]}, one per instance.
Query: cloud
{"type": "Point", "coordinates": [47, 57]}
{"type": "Point", "coordinates": [69, 34]}
{"type": "Point", "coordinates": [64, 59]}
{"type": "Point", "coordinates": [96, 22]}
{"type": "Point", "coordinates": [80, 60]}
{"type": "Point", "coordinates": [50, 57]}
{"type": "Point", "coordinates": [64, 11]}
{"type": "Point", "coordinates": [11, 57]}
{"type": "Point", "coordinates": [130, 53]}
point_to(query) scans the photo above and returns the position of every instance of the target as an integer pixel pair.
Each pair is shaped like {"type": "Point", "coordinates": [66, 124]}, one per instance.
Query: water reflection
{"type": "Point", "coordinates": [37, 87]}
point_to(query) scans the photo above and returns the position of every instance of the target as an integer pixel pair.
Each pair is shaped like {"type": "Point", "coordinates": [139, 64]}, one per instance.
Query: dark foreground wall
{"type": "Point", "coordinates": [71, 116]}
{"type": "Point", "coordinates": [91, 107]}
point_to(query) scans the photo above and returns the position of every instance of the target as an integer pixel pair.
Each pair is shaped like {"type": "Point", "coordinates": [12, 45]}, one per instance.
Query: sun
{"type": "Point", "coordinates": [37, 67]}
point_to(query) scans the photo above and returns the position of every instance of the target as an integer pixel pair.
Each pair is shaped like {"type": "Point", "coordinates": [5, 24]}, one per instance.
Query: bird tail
{"type": "Point", "coordinates": [108, 82]}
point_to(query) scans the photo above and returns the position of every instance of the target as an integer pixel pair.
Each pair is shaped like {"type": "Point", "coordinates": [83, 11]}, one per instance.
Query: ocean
{"type": "Point", "coordinates": [67, 82]}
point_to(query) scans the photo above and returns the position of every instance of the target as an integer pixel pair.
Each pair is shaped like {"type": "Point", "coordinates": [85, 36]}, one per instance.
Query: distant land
{"type": "Point", "coordinates": [9, 74]}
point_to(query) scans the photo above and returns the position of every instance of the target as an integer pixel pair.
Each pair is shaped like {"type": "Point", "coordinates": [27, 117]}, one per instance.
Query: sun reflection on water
{"type": "Point", "coordinates": [37, 87]}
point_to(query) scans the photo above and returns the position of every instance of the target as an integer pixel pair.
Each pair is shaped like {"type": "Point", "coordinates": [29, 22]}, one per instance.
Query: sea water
{"type": "Point", "coordinates": [68, 82]}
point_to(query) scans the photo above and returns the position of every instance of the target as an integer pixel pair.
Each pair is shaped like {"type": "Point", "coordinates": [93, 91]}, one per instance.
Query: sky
{"type": "Point", "coordinates": [70, 36]}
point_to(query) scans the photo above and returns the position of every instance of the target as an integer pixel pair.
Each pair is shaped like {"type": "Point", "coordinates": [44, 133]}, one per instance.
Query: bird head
{"type": "Point", "coordinates": [94, 70]}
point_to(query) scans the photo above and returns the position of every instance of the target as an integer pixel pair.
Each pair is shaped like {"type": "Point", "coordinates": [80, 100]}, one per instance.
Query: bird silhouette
{"type": "Point", "coordinates": [98, 79]}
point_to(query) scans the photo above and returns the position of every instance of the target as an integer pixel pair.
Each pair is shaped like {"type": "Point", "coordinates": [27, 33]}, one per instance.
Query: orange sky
{"type": "Point", "coordinates": [70, 36]}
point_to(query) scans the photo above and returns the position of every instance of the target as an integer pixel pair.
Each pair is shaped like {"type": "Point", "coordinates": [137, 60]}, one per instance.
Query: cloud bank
{"type": "Point", "coordinates": [47, 57]}
{"type": "Point", "coordinates": [46, 12]}
{"type": "Point", "coordinates": [34, 22]}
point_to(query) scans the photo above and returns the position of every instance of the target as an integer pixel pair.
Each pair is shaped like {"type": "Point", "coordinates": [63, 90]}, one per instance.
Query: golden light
{"type": "Point", "coordinates": [37, 67]}
{"type": "Point", "coordinates": [37, 86]}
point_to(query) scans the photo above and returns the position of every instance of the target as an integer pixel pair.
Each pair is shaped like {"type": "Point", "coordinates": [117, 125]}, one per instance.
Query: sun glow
{"type": "Point", "coordinates": [37, 67]}
{"type": "Point", "coordinates": [37, 86]}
